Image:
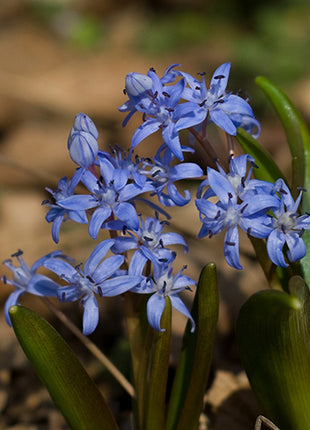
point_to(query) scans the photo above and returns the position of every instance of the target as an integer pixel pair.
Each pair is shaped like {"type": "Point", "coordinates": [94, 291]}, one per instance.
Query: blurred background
{"type": "Point", "coordinates": [61, 57]}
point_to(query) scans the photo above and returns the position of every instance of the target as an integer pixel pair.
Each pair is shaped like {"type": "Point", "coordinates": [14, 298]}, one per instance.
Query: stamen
{"type": "Point", "coordinates": [301, 232]}
{"type": "Point", "coordinates": [169, 109]}
{"type": "Point", "coordinates": [161, 243]}
{"type": "Point", "coordinates": [230, 195]}
{"type": "Point", "coordinates": [4, 279]}
{"type": "Point", "coordinates": [243, 208]}
{"type": "Point", "coordinates": [148, 239]}
{"type": "Point", "coordinates": [219, 77]}
{"type": "Point", "coordinates": [302, 189]}
{"type": "Point", "coordinates": [220, 101]}
{"type": "Point", "coordinates": [63, 296]}
{"type": "Point", "coordinates": [197, 88]}
{"type": "Point", "coordinates": [166, 94]}
{"type": "Point", "coordinates": [155, 173]}
{"type": "Point", "coordinates": [90, 278]}
{"type": "Point", "coordinates": [44, 202]}
{"type": "Point", "coordinates": [100, 291]}
{"type": "Point", "coordinates": [152, 69]}
{"type": "Point", "coordinates": [243, 181]}
{"type": "Point", "coordinates": [201, 73]}
{"type": "Point", "coordinates": [218, 214]}
{"type": "Point", "coordinates": [124, 91]}
{"type": "Point", "coordinates": [163, 260]}
{"type": "Point", "coordinates": [230, 243]}
{"type": "Point", "coordinates": [17, 254]}
{"type": "Point", "coordinates": [202, 103]}
{"type": "Point", "coordinates": [248, 232]}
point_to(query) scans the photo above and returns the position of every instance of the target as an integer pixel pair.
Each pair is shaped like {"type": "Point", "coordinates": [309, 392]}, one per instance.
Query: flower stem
{"type": "Point", "coordinates": [91, 347]}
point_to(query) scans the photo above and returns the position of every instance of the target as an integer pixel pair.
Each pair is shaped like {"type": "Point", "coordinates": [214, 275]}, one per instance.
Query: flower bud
{"type": "Point", "coordinates": [82, 122]}
{"type": "Point", "coordinates": [137, 84]}
{"type": "Point", "coordinates": [83, 148]}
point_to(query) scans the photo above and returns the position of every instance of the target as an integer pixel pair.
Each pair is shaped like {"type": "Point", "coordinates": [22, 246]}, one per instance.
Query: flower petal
{"type": "Point", "coordinates": [155, 308]}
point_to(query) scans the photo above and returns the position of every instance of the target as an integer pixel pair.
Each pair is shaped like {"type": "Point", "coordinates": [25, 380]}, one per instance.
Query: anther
{"type": "Point", "coordinates": [243, 208]}
{"type": "Point", "coordinates": [100, 291]}
{"type": "Point", "coordinates": [218, 214]}
{"type": "Point", "coordinates": [219, 77]}
{"type": "Point", "coordinates": [166, 94]}
{"type": "Point", "coordinates": [230, 243]}
{"type": "Point", "coordinates": [17, 254]}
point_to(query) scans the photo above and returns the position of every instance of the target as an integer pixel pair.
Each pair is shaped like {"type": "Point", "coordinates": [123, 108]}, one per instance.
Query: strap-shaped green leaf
{"type": "Point", "coordinates": [290, 122]}
{"type": "Point", "coordinates": [273, 332]}
{"type": "Point", "coordinates": [70, 387]}
{"type": "Point", "coordinates": [194, 366]}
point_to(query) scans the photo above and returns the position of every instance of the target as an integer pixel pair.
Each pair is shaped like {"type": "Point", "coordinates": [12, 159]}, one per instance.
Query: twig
{"type": "Point", "coordinates": [91, 347]}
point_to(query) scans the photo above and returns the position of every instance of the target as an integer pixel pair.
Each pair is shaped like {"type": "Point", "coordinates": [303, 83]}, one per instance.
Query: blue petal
{"type": "Point", "coordinates": [119, 285]}
{"type": "Point", "coordinates": [91, 315]}
{"type": "Point", "coordinates": [127, 213]}
{"type": "Point", "coordinates": [56, 227]}
{"type": "Point", "coordinates": [296, 247]}
{"type": "Point", "coordinates": [63, 269]}
{"type": "Point", "coordinates": [137, 263]}
{"type": "Point", "coordinates": [221, 84]}
{"type": "Point", "coordinates": [222, 120]}
{"type": "Point", "coordinates": [107, 268]}
{"type": "Point", "coordinates": [231, 247]}
{"type": "Point", "coordinates": [177, 198]}
{"type": "Point", "coordinates": [177, 303]}
{"type": "Point", "coordinates": [98, 218]}
{"type": "Point", "coordinates": [11, 301]}
{"type": "Point", "coordinates": [78, 202]}
{"type": "Point", "coordinates": [155, 308]}
{"type": "Point", "coordinates": [97, 255]}
{"type": "Point", "coordinates": [172, 140]}
{"type": "Point", "coordinates": [173, 239]}
{"type": "Point", "coordinates": [150, 126]}
{"type": "Point", "coordinates": [275, 243]}
{"type": "Point", "coordinates": [42, 286]}
{"type": "Point", "coordinates": [235, 104]}
{"type": "Point", "coordinates": [221, 187]}
{"type": "Point", "coordinates": [184, 171]}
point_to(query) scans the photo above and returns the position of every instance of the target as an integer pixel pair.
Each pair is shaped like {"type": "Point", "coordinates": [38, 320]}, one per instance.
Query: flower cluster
{"type": "Point", "coordinates": [107, 187]}
{"type": "Point", "coordinates": [262, 209]}
{"type": "Point", "coordinates": [159, 100]}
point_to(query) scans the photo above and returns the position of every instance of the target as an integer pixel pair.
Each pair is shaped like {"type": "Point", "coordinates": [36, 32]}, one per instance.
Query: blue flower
{"type": "Point", "coordinates": [161, 285]}
{"type": "Point", "coordinates": [26, 280]}
{"type": "Point", "coordinates": [229, 213]}
{"type": "Point", "coordinates": [226, 110]}
{"type": "Point", "coordinates": [163, 176]}
{"type": "Point", "coordinates": [288, 228]}
{"type": "Point", "coordinates": [110, 195]}
{"type": "Point", "coordinates": [97, 277]}
{"type": "Point", "coordinates": [82, 141]}
{"type": "Point", "coordinates": [124, 161]}
{"type": "Point", "coordinates": [149, 243]}
{"type": "Point", "coordinates": [57, 214]}
{"type": "Point", "coordinates": [136, 86]}
{"type": "Point", "coordinates": [158, 104]}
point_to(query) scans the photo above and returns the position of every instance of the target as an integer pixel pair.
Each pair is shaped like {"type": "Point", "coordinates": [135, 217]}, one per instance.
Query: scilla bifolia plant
{"type": "Point", "coordinates": [133, 256]}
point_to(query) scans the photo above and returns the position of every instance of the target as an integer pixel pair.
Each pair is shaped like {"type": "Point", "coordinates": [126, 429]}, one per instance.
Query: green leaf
{"type": "Point", "coordinates": [273, 332]}
{"type": "Point", "coordinates": [291, 124]}
{"type": "Point", "coordinates": [195, 361]}
{"type": "Point", "coordinates": [70, 387]}
{"type": "Point", "coordinates": [267, 170]}
{"type": "Point", "coordinates": [155, 413]}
